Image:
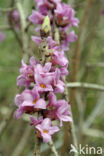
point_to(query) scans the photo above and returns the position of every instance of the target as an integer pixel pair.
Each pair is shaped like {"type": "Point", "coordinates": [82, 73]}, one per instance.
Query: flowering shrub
{"type": "Point", "coordinates": [44, 79]}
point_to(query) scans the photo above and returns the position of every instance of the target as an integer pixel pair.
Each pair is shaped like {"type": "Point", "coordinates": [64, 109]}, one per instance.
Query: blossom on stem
{"type": "Point", "coordinates": [28, 101]}
{"type": "Point", "coordinates": [61, 109]}
{"type": "Point", "coordinates": [46, 129]}
{"type": "Point", "coordinates": [43, 78]}
{"type": "Point", "coordinates": [59, 59]}
{"type": "Point", "coordinates": [66, 39]}
{"type": "Point", "coordinates": [35, 121]}
{"type": "Point", "coordinates": [51, 43]}
{"type": "Point", "coordinates": [27, 73]}
{"type": "Point", "coordinates": [65, 16]}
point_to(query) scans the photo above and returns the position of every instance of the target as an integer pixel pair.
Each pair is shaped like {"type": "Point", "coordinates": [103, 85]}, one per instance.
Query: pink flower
{"type": "Point", "coordinates": [58, 84]}
{"type": "Point", "coordinates": [62, 112]}
{"type": "Point", "coordinates": [59, 58]}
{"type": "Point", "coordinates": [61, 109]}
{"type": "Point", "coordinates": [65, 16]}
{"type": "Point", "coordinates": [45, 5]}
{"type": "Point", "coordinates": [27, 73]}
{"type": "Point", "coordinates": [36, 17]}
{"type": "Point", "coordinates": [29, 101]}
{"type": "Point", "coordinates": [43, 77]}
{"type": "Point", "coordinates": [35, 121]}
{"type": "Point", "coordinates": [46, 129]}
{"type": "Point", "coordinates": [51, 43]}
{"type": "Point", "coordinates": [2, 36]}
{"type": "Point", "coordinates": [66, 39]}
{"type": "Point", "coordinates": [64, 71]}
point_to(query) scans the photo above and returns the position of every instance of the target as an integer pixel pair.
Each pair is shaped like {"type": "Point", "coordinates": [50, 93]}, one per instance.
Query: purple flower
{"type": "Point", "coordinates": [27, 73]}
{"type": "Point", "coordinates": [43, 77]}
{"type": "Point", "coordinates": [35, 121]}
{"type": "Point", "coordinates": [59, 58]}
{"type": "Point", "coordinates": [46, 129]}
{"type": "Point", "coordinates": [36, 17]}
{"type": "Point", "coordinates": [66, 39]}
{"type": "Point", "coordinates": [65, 16]}
{"type": "Point", "coordinates": [61, 109]}
{"type": "Point", "coordinates": [2, 36]}
{"type": "Point", "coordinates": [58, 84]}
{"type": "Point", "coordinates": [51, 43]}
{"type": "Point", "coordinates": [62, 112]}
{"type": "Point", "coordinates": [64, 71]}
{"type": "Point", "coordinates": [45, 5]}
{"type": "Point", "coordinates": [29, 101]}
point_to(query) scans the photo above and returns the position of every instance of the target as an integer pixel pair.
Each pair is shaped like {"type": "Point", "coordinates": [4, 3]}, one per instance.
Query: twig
{"type": "Point", "coordinates": [75, 142]}
{"type": "Point", "coordinates": [85, 85]}
{"type": "Point", "coordinates": [53, 149]}
{"type": "Point", "coordinates": [25, 44]}
{"type": "Point", "coordinates": [98, 109]}
{"type": "Point", "coordinates": [77, 50]}
{"type": "Point", "coordinates": [37, 146]}
{"type": "Point", "coordinates": [76, 57]}
{"type": "Point", "coordinates": [101, 65]}
{"type": "Point", "coordinates": [7, 9]}
{"type": "Point", "coordinates": [19, 148]}
{"type": "Point", "coordinates": [5, 122]}
{"type": "Point", "coordinates": [94, 133]}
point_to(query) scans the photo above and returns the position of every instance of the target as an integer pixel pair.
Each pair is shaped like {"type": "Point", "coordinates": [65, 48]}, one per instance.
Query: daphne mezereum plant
{"type": "Point", "coordinates": [45, 79]}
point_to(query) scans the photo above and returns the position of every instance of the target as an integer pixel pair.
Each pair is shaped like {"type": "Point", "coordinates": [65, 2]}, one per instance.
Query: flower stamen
{"type": "Point", "coordinates": [43, 86]}
{"type": "Point", "coordinates": [45, 131]}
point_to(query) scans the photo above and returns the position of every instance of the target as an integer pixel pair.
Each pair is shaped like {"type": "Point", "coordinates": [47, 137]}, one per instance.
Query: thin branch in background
{"type": "Point", "coordinates": [6, 122]}
{"type": "Point", "coordinates": [85, 85]}
{"type": "Point", "coordinates": [25, 42]}
{"type": "Point", "coordinates": [101, 65]}
{"type": "Point", "coordinates": [53, 149]}
{"type": "Point", "coordinates": [37, 146]}
{"type": "Point", "coordinates": [66, 131]}
{"type": "Point", "coordinates": [21, 145]}
{"type": "Point", "coordinates": [97, 110]}
{"type": "Point", "coordinates": [7, 9]}
{"type": "Point", "coordinates": [94, 133]}
{"type": "Point", "coordinates": [77, 50]}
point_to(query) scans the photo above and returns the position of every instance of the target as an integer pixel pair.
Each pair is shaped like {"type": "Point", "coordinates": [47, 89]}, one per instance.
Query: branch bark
{"type": "Point", "coordinates": [85, 85]}
{"type": "Point", "coordinates": [37, 146]}
{"type": "Point", "coordinates": [53, 149]}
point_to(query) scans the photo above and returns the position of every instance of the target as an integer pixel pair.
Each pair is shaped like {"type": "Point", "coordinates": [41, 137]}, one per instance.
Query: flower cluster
{"type": "Point", "coordinates": [62, 14]}
{"type": "Point", "coordinates": [43, 82]}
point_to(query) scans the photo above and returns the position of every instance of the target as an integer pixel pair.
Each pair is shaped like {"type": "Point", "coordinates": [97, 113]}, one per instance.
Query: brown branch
{"type": "Point", "coordinates": [77, 51]}
{"type": "Point", "coordinates": [53, 149]}
{"type": "Point", "coordinates": [6, 122]}
{"type": "Point", "coordinates": [37, 146]}
{"type": "Point", "coordinates": [22, 143]}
